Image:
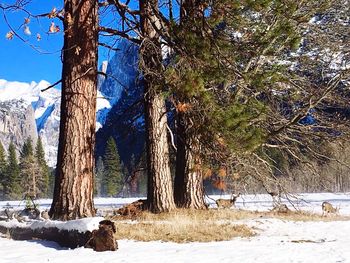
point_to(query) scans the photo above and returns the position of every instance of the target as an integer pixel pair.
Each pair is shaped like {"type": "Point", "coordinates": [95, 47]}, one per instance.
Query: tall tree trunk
{"type": "Point", "coordinates": [73, 193]}
{"type": "Point", "coordinates": [160, 192]}
{"type": "Point", "coordinates": [188, 182]}
{"type": "Point", "coordinates": [188, 185]}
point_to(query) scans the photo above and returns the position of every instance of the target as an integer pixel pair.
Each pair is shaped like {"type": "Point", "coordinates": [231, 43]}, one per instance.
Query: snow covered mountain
{"type": "Point", "coordinates": [122, 74]}
{"type": "Point", "coordinates": [124, 121]}
{"type": "Point", "coordinates": [40, 111]}
{"type": "Point", "coordinates": [26, 111]}
{"type": "Point", "coordinates": [17, 122]}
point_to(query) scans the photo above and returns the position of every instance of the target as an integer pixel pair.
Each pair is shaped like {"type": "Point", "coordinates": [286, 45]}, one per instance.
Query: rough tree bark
{"type": "Point", "coordinates": [160, 191]}
{"type": "Point", "coordinates": [73, 193]}
{"type": "Point", "coordinates": [188, 182]}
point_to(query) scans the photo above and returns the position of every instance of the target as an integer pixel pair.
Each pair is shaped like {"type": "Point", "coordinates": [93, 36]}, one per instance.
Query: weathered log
{"type": "Point", "coordinates": [66, 238]}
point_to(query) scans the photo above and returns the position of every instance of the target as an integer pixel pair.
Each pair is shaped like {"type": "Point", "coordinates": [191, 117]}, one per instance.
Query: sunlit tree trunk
{"type": "Point", "coordinates": [73, 193]}
{"type": "Point", "coordinates": [159, 191]}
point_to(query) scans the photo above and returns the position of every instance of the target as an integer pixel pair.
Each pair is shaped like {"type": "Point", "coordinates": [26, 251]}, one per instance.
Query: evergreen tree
{"type": "Point", "coordinates": [112, 176]}
{"type": "Point", "coordinates": [30, 172]}
{"type": "Point", "coordinates": [2, 167]}
{"type": "Point", "coordinates": [12, 187]}
{"type": "Point", "coordinates": [224, 78]}
{"type": "Point", "coordinates": [27, 148]}
{"type": "Point", "coordinates": [44, 169]}
{"type": "Point", "coordinates": [100, 169]}
{"type": "Point", "coordinates": [51, 185]}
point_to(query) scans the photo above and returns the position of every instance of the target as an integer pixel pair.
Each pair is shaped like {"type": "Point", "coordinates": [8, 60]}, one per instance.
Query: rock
{"type": "Point", "coordinates": [17, 123]}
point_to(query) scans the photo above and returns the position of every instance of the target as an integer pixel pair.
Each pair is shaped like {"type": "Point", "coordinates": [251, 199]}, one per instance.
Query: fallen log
{"type": "Point", "coordinates": [71, 234]}
{"type": "Point", "coordinates": [65, 238]}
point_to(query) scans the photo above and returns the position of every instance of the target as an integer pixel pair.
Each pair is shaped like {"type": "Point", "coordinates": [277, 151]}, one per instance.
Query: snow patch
{"type": "Point", "coordinates": [81, 225]}
{"type": "Point", "coordinates": [10, 90]}
{"type": "Point", "coordinates": [102, 102]}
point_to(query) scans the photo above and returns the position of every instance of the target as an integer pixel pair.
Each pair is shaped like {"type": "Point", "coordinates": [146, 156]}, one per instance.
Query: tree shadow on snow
{"type": "Point", "coordinates": [48, 244]}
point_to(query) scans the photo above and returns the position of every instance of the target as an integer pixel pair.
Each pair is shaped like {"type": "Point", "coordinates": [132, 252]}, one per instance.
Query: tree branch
{"type": "Point", "coordinates": [108, 46]}
{"type": "Point", "coordinates": [122, 34]}
{"type": "Point", "coordinates": [51, 86]}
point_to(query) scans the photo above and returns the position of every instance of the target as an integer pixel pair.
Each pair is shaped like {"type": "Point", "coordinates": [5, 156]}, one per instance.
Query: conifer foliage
{"type": "Point", "coordinates": [3, 165]}
{"type": "Point", "coordinates": [27, 177]}
{"type": "Point", "coordinates": [31, 172]}
{"type": "Point", "coordinates": [11, 180]}
{"type": "Point", "coordinates": [43, 167]}
{"type": "Point", "coordinates": [112, 180]}
{"type": "Point", "coordinates": [100, 168]}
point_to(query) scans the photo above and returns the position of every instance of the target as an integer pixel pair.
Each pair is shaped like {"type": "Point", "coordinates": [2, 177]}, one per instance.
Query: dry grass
{"type": "Point", "coordinates": [182, 232]}
{"type": "Point", "coordinates": [183, 226]}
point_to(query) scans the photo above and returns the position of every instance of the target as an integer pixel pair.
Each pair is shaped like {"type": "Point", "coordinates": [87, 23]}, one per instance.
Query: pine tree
{"type": "Point", "coordinates": [112, 176]}
{"type": "Point", "coordinates": [12, 187]}
{"type": "Point", "coordinates": [30, 172]}
{"type": "Point", "coordinates": [44, 169]}
{"type": "Point", "coordinates": [224, 73]}
{"type": "Point", "coordinates": [51, 185]}
{"type": "Point", "coordinates": [3, 165]}
{"type": "Point", "coordinates": [27, 148]}
{"type": "Point", "coordinates": [100, 169]}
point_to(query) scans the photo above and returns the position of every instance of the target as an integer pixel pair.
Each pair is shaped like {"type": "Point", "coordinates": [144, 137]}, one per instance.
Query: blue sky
{"type": "Point", "coordinates": [21, 62]}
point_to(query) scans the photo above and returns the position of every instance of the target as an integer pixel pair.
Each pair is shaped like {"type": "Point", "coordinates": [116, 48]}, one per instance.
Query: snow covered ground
{"type": "Point", "coordinates": [276, 240]}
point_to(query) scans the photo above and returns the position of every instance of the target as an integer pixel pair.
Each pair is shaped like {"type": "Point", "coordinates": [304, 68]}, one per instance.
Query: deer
{"type": "Point", "coordinates": [227, 203]}
{"type": "Point", "coordinates": [327, 208]}
{"type": "Point", "coordinates": [276, 197]}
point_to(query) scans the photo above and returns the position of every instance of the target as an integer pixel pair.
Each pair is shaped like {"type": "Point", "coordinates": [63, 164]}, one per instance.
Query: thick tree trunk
{"type": "Point", "coordinates": [73, 193]}
{"type": "Point", "coordinates": [188, 184]}
{"type": "Point", "coordinates": [160, 192]}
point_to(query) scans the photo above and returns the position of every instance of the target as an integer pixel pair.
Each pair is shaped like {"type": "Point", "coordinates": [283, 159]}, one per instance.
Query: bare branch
{"type": "Point", "coordinates": [122, 34]}
{"type": "Point", "coordinates": [108, 46]}
{"type": "Point", "coordinates": [51, 86]}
